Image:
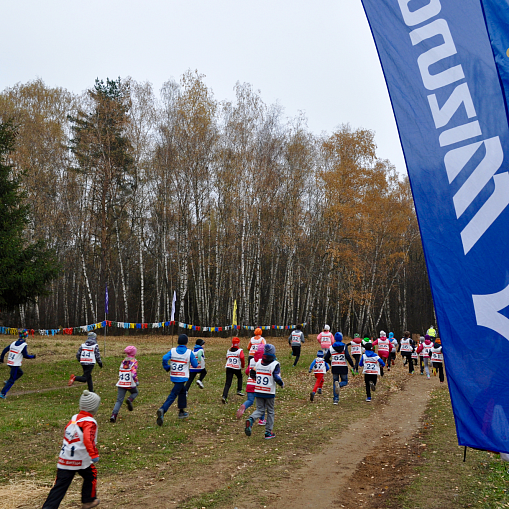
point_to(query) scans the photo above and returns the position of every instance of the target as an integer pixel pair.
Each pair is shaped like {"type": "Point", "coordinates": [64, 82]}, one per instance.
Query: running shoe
{"type": "Point", "coordinates": [240, 411]}
{"type": "Point", "coordinates": [129, 404]}
{"type": "Point", "coordinates": [160, 416]}
{"type": "Point", "coordinates": [199, 383]}
{"type": "Point", "coordinates": [183, 415]}
{"type": "Point", "coordinates": [71, 380]}
{"type": "Point", "coordinates": [372, 386]}
{"type": "Point", "coordinates": [2, 395]}
{"type": "Point", "coordinates": [335, 402]}
{"type": "Point", "coordinates": [312, 396]}
{"type": "Point", "coordinates": [113, 418]}
{"type": "Point", "coordinates": [368, 400]}
{"type": "Point", "coordinates": [249, 427]}
{"type": "Point", "coordinates": [427, 376]}
{"type": "Point", "coordinates": [223, 399]}
{"type": "Point", "coordinates": [262, 422]}
{"type": "Point", "coordinates": [269, 435]}
{"type": "Point", "coordinates": [319, 391]}
{"type": "Point", "coordinates": [240, 393]}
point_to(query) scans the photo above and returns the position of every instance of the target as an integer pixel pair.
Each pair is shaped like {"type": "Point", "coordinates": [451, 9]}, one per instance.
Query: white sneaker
{"type": "Point", "coordinates": [199, 383]}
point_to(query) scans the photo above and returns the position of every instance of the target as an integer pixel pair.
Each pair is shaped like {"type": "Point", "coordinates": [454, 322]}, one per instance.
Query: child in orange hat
{"type": "Point", "coordinates": [256, 340]}
{"type": "Point", "coordinates": [234, 363]}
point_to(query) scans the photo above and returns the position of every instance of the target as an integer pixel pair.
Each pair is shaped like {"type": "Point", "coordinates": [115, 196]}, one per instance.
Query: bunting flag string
{"type": "Point", "coordinates": [155, 325]}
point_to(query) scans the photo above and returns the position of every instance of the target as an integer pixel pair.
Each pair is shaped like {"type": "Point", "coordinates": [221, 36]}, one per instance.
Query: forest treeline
{"type": "Point", "coordinates": [219, 201]}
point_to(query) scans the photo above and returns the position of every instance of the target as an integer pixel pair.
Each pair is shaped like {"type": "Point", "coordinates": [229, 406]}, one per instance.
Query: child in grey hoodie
{"type": "Point", "coordinates": [87, 355]}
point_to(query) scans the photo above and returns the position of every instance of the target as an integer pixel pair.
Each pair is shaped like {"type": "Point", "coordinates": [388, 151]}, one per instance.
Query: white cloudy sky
{"type": "Point", "coordinates": [312, 56]}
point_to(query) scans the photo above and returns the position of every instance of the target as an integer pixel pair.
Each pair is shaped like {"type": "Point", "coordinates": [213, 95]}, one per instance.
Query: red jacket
{"type": "Point", "coordinates": [89, 433]}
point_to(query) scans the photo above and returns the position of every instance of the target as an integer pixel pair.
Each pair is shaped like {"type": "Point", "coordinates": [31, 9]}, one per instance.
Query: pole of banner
{"type": "Point", "coordinates": [172, 331]}
{"type": "Point", "coordinates": [105, 326]}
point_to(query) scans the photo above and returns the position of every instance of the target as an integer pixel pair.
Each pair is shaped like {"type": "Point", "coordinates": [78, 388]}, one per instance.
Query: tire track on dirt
{"type": "Point", "coordinates": [326, 474]}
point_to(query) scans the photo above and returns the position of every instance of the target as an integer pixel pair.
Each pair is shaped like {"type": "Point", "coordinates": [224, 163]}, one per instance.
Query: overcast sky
{"type": "Point", "coordinates": [317, 57]}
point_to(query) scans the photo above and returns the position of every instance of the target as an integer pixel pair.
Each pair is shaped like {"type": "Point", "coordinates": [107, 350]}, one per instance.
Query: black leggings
{"type": "Point", "coordinates": [192, 376]}
{"type": "Point", "coordinates": [367, 379]}
{"type": "Point", "coordinates": [408, 357]}
{"type": "Point", "coordinates": [87, 376]}
{"type": "Point", "coordinates": [296, 353]}
{"type": "Point", "coordinates": [440, 367]}
{"type": "Point", "coordinates": [357, 357]}
{"type": "Point", "coordinates": [64, 480]}
{"type": "Point", "coordinates": [229, 378]}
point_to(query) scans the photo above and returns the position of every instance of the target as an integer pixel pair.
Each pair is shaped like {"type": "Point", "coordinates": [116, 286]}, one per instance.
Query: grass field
{"type": "Point", "coordinates": [441, 478]}
{"type": "Point", "coordinates": [208, 452]}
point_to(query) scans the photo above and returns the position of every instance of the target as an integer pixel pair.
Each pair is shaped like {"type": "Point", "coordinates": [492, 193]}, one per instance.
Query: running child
{"type": "Point", "coordinates": [356, 351]}
{"type": "Point", "coordinates": [319, 368]}
{"type": "Point", "coordinates": [16, 352]}
{"type": "Point", "coordinates": [372, 365]}
{"type": "Point", "coordinates": [406, 347]}
{"type": "Point", "coordinates": [127, 382]}
{"type": "Point", "coordinates": [437, 360]}
{"type": "Point", "coordinates": [267, 373]}
{"type": "Point", "coordinates": [87, 355]}
{"type": "Point", "coordinates": [78, 454]}
{"type": "Point", "coordinates": [199, 353]}
{"type": "Point", "coordinates": [256, 340]}
{"type": "Point", "coordinates": [384, 350]}
{"type": "Point", "coordinates": [423, 351]}
{"type": "Point", "coordinates": [337, 356]}
{"type": "Point", "coordinates": [325, 338]}
{"type": "Point", "coordinates": [250, 386]}
{"type": "Point", "coordinates": [394, 343]}
{"type": "Point", "coordinates": [234, 364]}
{"type": "Point", "coordinates": [177, 361]}
{"type": "Point", "coordinates": [415, 356]}
{"type": "Point", "coordinates": [295, 340]}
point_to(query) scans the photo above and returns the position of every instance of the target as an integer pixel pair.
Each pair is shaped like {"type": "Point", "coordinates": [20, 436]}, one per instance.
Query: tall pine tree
{"type": "Point", "coordinates": [25, 268]}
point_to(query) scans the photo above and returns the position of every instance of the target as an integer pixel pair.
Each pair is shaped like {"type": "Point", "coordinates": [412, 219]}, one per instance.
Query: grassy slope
{"type": "Point", "coordinates": [211, 446]}
{"type": "Point", "coordinates": [444, 480]}
{"type": "Point", "coordinates": [211, 441]}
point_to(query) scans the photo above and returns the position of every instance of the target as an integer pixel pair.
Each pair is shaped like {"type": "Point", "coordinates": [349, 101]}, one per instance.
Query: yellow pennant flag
{"type": "Point", "coordinates": [234, 320]}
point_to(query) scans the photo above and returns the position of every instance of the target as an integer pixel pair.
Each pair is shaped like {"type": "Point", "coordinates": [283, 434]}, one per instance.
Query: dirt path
{"type": "Point", "coordinates": [328, 474]}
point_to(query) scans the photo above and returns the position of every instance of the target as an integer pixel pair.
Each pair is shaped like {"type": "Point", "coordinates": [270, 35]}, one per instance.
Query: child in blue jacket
{"type": "Point", "coordinates": [177, 361]}
{"type": "Point", "coordinates": [370, 362]}
{"type": "Point", "coordinates": [17, 352]}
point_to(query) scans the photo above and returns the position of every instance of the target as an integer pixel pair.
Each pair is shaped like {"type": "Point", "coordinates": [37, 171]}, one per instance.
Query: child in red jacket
{"type": "Point", "coordinates": [384, 350]}
{"type": "Point", "coordinates": [78, 454]}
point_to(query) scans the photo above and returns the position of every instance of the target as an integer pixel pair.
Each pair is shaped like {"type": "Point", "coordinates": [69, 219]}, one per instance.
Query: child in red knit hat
{"type": "Point", "coordinates": [234, 363]}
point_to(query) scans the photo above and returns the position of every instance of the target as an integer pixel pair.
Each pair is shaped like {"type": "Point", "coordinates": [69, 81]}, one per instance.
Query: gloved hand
{"type": "Point", "coordinates": [100, 365]}
{"type": "Point", "coordinates": [1, 362]}
{"type": "Point", "coordinates": [283, 385]}
{"type": "Point", "coordinates": [95, 460]}
{"type": "Point", "coordinates": [137, 383]}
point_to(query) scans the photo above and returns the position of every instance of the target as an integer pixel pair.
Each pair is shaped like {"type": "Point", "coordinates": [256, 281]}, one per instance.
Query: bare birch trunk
{"type": "Point", "coordinates": [89, 292]}
{"type": "Point", "coordinates": [124, 289]}
{"type": "Point", "coordinates": [142, 278]}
